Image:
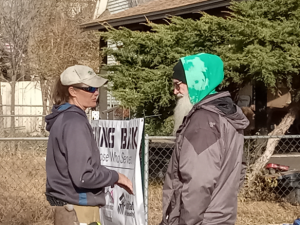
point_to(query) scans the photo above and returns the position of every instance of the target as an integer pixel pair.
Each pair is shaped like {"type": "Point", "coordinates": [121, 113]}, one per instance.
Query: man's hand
{"type": "Point", "coordinates": [125, 183]}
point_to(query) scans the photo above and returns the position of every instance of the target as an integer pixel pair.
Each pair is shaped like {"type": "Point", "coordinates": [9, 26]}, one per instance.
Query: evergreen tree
{"type": "Point", "coordinates": [258, 41]}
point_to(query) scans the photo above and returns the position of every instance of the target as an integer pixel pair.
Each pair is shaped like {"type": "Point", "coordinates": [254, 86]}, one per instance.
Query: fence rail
{"type": "Point", "coordinates": [25, 139]}
{"type": "Point", "coordinates": [23, 115]}
{"type": "Point", "coordinates": [274, 200]}
{"type": "Point", "coordinates": [35, 106]}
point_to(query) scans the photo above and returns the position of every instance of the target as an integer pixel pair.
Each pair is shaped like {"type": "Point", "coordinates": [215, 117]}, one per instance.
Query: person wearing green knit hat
{"type": "Point", "coordinates": [206, 169]}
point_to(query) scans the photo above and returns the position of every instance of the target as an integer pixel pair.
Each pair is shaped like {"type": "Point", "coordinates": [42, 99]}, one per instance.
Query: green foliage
{"type": "Point", "coordinates": [263, 43]}
{"type": "Point", "coordinates": [259, 41]}
{"type": "Point", "coordinates": [160, 128]}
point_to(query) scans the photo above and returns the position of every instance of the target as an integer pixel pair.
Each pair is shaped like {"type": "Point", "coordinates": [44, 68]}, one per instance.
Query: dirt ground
{"type": "Point", "coordinates": [22, 200]}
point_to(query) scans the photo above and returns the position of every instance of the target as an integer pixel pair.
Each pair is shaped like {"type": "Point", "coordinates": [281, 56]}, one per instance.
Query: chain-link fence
{"type": "Point", "coordinates": [22, 182]}
{"type": "Point", "coordinates": [272, 198]}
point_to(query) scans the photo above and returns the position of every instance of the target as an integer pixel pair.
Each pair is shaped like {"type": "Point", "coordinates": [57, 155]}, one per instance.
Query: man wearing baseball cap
{"type": "Point", "coordinates": [75, 177]}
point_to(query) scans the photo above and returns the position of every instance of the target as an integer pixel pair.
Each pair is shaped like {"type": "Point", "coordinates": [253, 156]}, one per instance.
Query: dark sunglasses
{"type": "Point", "coordinates": [87, 89]}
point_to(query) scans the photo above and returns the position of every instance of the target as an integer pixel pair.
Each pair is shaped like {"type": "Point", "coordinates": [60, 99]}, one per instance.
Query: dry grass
{"type": "Point", "coordinates": [22, 186]}
{"type": "Point", "coordinates": [22, 200]}
{"type": "Point", "coordinates": [263, 213]}
{"type": "Point", "coordinates": [254, 212]}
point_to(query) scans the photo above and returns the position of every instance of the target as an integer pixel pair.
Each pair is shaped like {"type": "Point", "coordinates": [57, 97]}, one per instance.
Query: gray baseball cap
{"type": "Point", "coordinates": [81, 74]}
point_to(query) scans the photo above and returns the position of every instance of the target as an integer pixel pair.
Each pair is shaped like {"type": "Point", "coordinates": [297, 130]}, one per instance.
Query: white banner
{"type": "Point", "coordinates": [119, 143]}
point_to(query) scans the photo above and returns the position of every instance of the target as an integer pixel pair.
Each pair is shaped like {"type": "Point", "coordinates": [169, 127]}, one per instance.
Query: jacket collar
{"type": "Point", "coordinates": [211, 98]}
{"type": "Point", "coordinates": [199, 105]}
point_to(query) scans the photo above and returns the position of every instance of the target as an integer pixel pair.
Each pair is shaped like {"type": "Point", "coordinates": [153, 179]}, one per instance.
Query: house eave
{"type": "Point", "coordinates": [138, 19]}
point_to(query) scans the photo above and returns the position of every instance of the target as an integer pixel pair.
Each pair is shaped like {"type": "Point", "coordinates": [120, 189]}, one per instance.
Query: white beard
{"type": "Point", "coordinates": [183, 107]}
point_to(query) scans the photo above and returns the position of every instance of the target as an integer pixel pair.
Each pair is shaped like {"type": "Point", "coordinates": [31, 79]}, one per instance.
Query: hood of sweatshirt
{"type": "Point", "coordinates": [57, 110]}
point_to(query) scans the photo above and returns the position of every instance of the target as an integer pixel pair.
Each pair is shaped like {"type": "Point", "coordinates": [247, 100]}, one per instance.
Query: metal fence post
{"type": "Point", "coordinates": [146, 176]}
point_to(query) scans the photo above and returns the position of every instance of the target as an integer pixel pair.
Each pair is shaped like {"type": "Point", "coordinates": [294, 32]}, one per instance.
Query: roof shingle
{"type": "Point", "coordinates": [152, 6]}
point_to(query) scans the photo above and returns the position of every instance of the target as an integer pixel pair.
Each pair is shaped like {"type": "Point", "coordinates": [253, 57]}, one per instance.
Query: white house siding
{"type": "Point", "coordinates": [115, 6]}
{"type": "Point", "coordinates": [27, 93]}
{"type": "Point", "coordinates": [111, 101]}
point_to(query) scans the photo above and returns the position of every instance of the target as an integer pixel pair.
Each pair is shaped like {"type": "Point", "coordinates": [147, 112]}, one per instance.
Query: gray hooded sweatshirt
{"type": "Point", "coordinates": [73, 166]}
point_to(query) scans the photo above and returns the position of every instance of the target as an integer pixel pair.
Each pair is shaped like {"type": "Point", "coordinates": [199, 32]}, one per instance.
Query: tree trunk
{"type": "Point", "coordinates": [279, 130]}
{"type": "Point", "coordinates": [1, 119]}
{"type": "Point", "coordinates": [13, 146]}
{"type": "Point", "coordinates": [44, 89]}
{"type": "Point", "coordinates": [12, 107]}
